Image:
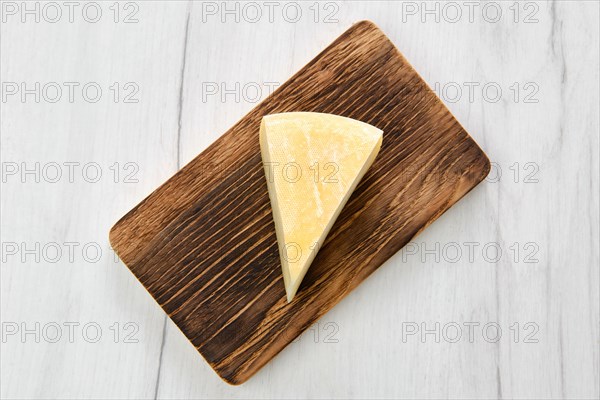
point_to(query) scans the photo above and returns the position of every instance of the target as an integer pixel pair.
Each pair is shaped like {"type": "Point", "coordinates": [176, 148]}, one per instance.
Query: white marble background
{"type": "Point", "coordinates": [499, 298]}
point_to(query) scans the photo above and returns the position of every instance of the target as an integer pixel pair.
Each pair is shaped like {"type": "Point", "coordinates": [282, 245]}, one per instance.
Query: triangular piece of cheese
{"type": "Point", "coordinates": [313, 162]}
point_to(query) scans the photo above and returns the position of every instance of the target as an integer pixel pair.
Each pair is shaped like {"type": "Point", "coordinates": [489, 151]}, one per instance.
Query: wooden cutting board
{"type": "Point", "coordinates": [203, 244]}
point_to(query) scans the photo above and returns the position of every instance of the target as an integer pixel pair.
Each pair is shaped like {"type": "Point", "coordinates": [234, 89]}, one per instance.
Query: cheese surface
{"type": "Point", "coordinates": [313, 162]}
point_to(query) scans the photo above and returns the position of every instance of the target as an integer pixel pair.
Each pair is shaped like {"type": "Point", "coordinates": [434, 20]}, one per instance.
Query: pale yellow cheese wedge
{"type": "Point", "coordinates": [313, 162]}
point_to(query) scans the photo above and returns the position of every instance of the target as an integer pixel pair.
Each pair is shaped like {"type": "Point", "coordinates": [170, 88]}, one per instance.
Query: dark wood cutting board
{"type": "Point", "coordinates": [203, 244]}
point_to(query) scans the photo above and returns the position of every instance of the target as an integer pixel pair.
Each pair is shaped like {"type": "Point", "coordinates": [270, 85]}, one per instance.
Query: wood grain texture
{"type": "Point", "coordinates": [204, 244]}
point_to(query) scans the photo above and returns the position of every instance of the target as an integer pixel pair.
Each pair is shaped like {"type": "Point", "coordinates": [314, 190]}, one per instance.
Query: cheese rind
{"type": "Point", "coordinates": [313, 162]}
